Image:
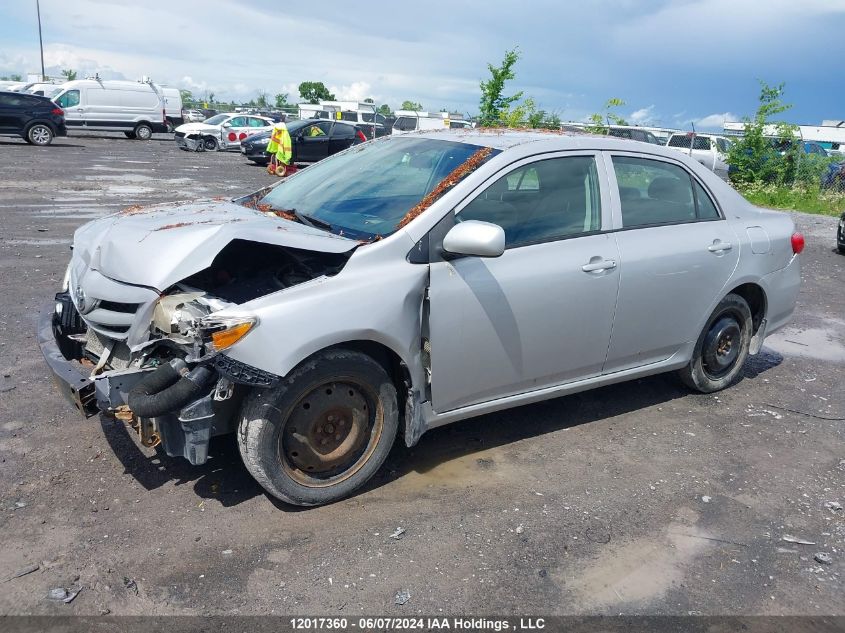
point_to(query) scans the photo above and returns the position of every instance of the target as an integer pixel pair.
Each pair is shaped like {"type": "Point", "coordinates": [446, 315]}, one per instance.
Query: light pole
{"type": "Point", "coordinates": [40, 41]}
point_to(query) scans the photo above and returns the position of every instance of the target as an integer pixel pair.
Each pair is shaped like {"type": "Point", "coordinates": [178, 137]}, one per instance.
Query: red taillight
{"type": "Point", "coordinates": [797, 243]}
{"type": "Point", "coordinates": [361, 136]}
{"type": "Point", "coordinates": [58, 112]}
{"type": "Point", "coordinates": [233, 136]}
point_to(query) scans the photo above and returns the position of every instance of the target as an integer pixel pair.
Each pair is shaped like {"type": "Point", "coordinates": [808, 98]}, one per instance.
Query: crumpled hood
{"type": "Point", "coordinates": [190, 128]}
{"type": "Point", "coordinates": [160, 245]}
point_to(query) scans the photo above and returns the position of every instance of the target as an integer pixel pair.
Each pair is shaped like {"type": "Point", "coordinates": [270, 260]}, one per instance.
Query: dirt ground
{"type": "Point", "coordinates": [638, 498]}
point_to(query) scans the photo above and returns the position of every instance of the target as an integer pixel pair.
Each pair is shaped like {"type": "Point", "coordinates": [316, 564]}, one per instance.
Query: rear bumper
{"type": "Point", "coordinates": [781, 288]}
{"type": "Point", "coordinates": [71, 382]}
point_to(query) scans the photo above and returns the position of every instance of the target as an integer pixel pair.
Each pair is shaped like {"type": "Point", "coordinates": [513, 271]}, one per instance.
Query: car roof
{"type": "Point", "coordinates": [23, 94]}
{"type": "Point", "coordinates": [546, 140]}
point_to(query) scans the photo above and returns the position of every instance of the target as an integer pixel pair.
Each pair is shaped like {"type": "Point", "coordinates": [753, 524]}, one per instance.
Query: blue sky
{"type": "Point", "coordinates": [672, 61]}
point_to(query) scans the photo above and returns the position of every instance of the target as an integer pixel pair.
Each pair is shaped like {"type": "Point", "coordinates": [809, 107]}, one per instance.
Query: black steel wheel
{"type": "Point", "coordinates": [721, 348]}
{"type": "Point", "coordinates": [324, 432]}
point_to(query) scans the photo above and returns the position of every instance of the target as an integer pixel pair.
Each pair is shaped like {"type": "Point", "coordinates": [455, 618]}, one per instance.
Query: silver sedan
{"type": "Point", "coordinates": [410, 282]}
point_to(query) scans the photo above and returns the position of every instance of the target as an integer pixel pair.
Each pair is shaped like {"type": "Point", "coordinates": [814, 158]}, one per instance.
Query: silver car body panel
{"type": "Point", "coordinates": [527, 326]}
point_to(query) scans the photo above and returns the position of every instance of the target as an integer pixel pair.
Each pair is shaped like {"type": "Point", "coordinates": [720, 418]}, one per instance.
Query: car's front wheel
{"type": "Point", "coordinates": [323, 432]}
{"type": "Point", "coordinates": [210, 144]}
{"type": "Point", "coordinates": [39, 134]}
{"type": "Point", "coordinates": [722, 347]}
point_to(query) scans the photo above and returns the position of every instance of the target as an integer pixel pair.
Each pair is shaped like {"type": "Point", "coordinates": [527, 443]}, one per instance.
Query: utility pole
{"type": "Point", "coordinates": [40, 41]}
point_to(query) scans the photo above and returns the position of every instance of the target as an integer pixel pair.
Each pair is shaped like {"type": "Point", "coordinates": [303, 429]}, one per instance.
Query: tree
{"type": "Point", "coordinates": [282, 100]}
{"type": "Point", "coordinates": [187, 98]}
{"type": "Point", "coordinates": [261, 101]}
{"type": "Point", "coordinates": [756, 157]}
{"type": "Point", "coordinates": [210, 97]}
{"type": "Point", "coordinates": [384, 110]}
{"type": "Point", "coordinates": [16, 77]}
{"type": "Point", "coordinates": [600, 120]}
{"type": "Point", "coordinates": [411, 105]}
{"type": "Point", "coordinates": [369, 100]}
{"type": "Point", "coordinates": [69, 74]}
{"type": "Point", "coordinates": [314, 91]}
{"type": "Point", "coordinates": [492, 101]}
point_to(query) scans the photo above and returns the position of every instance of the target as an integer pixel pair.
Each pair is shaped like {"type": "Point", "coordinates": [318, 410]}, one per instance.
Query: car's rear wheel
{"type": "Point", "coordinates": [722, 347]}
{"type": "Point", "coordinates": [323, 432]}
{"type": "Point", "coordinates": [39, 134]}
{"type": "Point", "coordinates": [210, 144]}
{"type": "Point", "coordinates": [143, 132]}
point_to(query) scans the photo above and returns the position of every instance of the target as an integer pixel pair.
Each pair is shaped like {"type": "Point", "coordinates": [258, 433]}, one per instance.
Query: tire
{"type": "Point", "coordinates": [341, 397]}
{"type": "Point", "coordinates": [39, 134]}
{"type": "Point", "coordinates": [211, 144]}
{"type": "Point", "coordinates": [170, 127]}
{"type": "Point", "coordinates": [130, 134]}
{"type": "Point", "coordinates": [143, 132]}
{"type": "Point", "coordinates": [841, 249]}
{"type": "Point", "coordinates": [722, 347]}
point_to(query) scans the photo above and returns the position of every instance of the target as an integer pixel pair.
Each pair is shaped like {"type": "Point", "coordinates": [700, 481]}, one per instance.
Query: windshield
{"type": "Point", "coordinates": [217, 119]}
{"type": "Point", "coordinates": [366, 191]}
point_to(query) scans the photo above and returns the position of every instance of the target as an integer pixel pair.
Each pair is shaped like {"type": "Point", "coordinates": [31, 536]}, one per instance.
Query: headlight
{"type": "Point", "coordinates": [66, 280]}
{"type": "Point", "coordinates": [219, 333]}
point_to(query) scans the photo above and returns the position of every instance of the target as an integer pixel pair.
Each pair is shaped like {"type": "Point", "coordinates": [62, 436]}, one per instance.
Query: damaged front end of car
{"type": "Point", "coordinates": [153, 299]}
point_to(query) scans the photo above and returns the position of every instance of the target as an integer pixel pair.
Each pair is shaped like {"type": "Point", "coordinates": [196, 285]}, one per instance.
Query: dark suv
{"type": "Point", "coordinates": [35, 119]}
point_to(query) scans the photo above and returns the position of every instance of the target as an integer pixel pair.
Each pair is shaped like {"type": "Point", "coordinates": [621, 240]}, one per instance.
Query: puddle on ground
{"type": "Point", "coordinates": [36, 242]}
{"type": "Point", "coordinates": [129, 175]}
{"type": "Point", "coordinates": [639, 571]}
{"type": "Point", "coordinates": [121, 170]}
{"type": "Point", "coordinates": [124, 190]}
{"type": "Point", "coordinates": [482, 467]}
{"type": "Point", "coordinates": [817, 343]}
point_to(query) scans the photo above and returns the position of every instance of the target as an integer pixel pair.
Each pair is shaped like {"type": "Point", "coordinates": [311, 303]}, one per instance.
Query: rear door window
{"type": "Point", "coordinates": [652, 192]}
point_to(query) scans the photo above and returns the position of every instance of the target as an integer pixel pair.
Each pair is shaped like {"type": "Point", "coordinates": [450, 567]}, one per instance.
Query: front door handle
{"type": "Point", "coordinates": [596, 266]}
{"type": "Point", "coordinates": [718, 246]}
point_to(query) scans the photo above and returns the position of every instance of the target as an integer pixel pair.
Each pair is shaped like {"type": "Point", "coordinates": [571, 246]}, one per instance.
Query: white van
{"type": "Point", "coordinates": [413, 121]}
{"type": "Point", "coordinates": [172, 107]}
{"type": "Point", "coordinates": [131, 107]}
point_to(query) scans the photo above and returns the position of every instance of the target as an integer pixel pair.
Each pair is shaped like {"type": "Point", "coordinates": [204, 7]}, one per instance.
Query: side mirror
{"type": "Point", "coordinates": [474, 237]}
{"type": "Point", "coordinates": [227, 124]}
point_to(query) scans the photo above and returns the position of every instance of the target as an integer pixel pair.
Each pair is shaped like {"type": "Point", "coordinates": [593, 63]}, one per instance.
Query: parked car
{"type": "Point", "coordinates": [222, 131]}
{"type": "Point", "coordinates": [634, 133]}
{"type": "Point", "coordinates": [708, 149]}
{"type": "Point", "coordinates": [193, 116]}
{"type": "Point", "coordinates": [312, 139]}
{"type": "Point", "coordinates": [35, 119]}
{"type": "Point", "coordinates": [412, 282]}
{"type": "Point", "coordinates": [840, 235]}
{"type": "Point", "coordinates": [135, 108]}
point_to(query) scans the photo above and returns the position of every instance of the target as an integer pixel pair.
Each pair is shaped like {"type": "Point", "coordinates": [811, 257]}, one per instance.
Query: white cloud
{"type": "Point", "coordinates": [714, 122]}
{"type": "Point", "coordinates": [356, 91]}
{"type": "Point", "coordinates": [643, 116]}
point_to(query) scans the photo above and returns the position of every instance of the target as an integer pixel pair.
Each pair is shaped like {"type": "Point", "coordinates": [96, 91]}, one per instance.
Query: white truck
{"type": "Point", "coordinates": [710, 150]}
{"type": "Point", "coordinates": [414, 121]}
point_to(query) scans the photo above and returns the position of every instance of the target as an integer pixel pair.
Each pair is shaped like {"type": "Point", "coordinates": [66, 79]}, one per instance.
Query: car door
{"type": "Point", "coordinates": [541, 314]}
{"type": "Point", "coordinates": [340, 137]}
{"type": "Point", "coordinates": [74, 112]}
{"type": "Point", "coordinates": [313, 142]}
{"type": "Point", "coordinates": [677, 252]}
{"type": "Point", "coordinates": [235, 130]}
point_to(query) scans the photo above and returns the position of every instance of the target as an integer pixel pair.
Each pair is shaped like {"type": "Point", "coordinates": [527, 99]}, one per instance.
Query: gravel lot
{"type": "Point", "coordinates": [636, 498]}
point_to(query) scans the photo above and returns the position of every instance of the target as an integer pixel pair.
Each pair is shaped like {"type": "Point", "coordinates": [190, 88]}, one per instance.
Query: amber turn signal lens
{"type": "Point", "coordinates": [224, 339]}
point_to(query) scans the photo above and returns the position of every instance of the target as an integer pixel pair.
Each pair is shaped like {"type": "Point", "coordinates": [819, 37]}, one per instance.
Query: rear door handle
{"type": "Point", "coordinates": [604, 264]}
{"type": "Point", "coordinates": [718, 246]}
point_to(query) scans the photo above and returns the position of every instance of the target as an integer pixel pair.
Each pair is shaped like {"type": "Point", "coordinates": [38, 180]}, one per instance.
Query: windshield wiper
{"type": "Point", "coordinates": [312, 221]}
